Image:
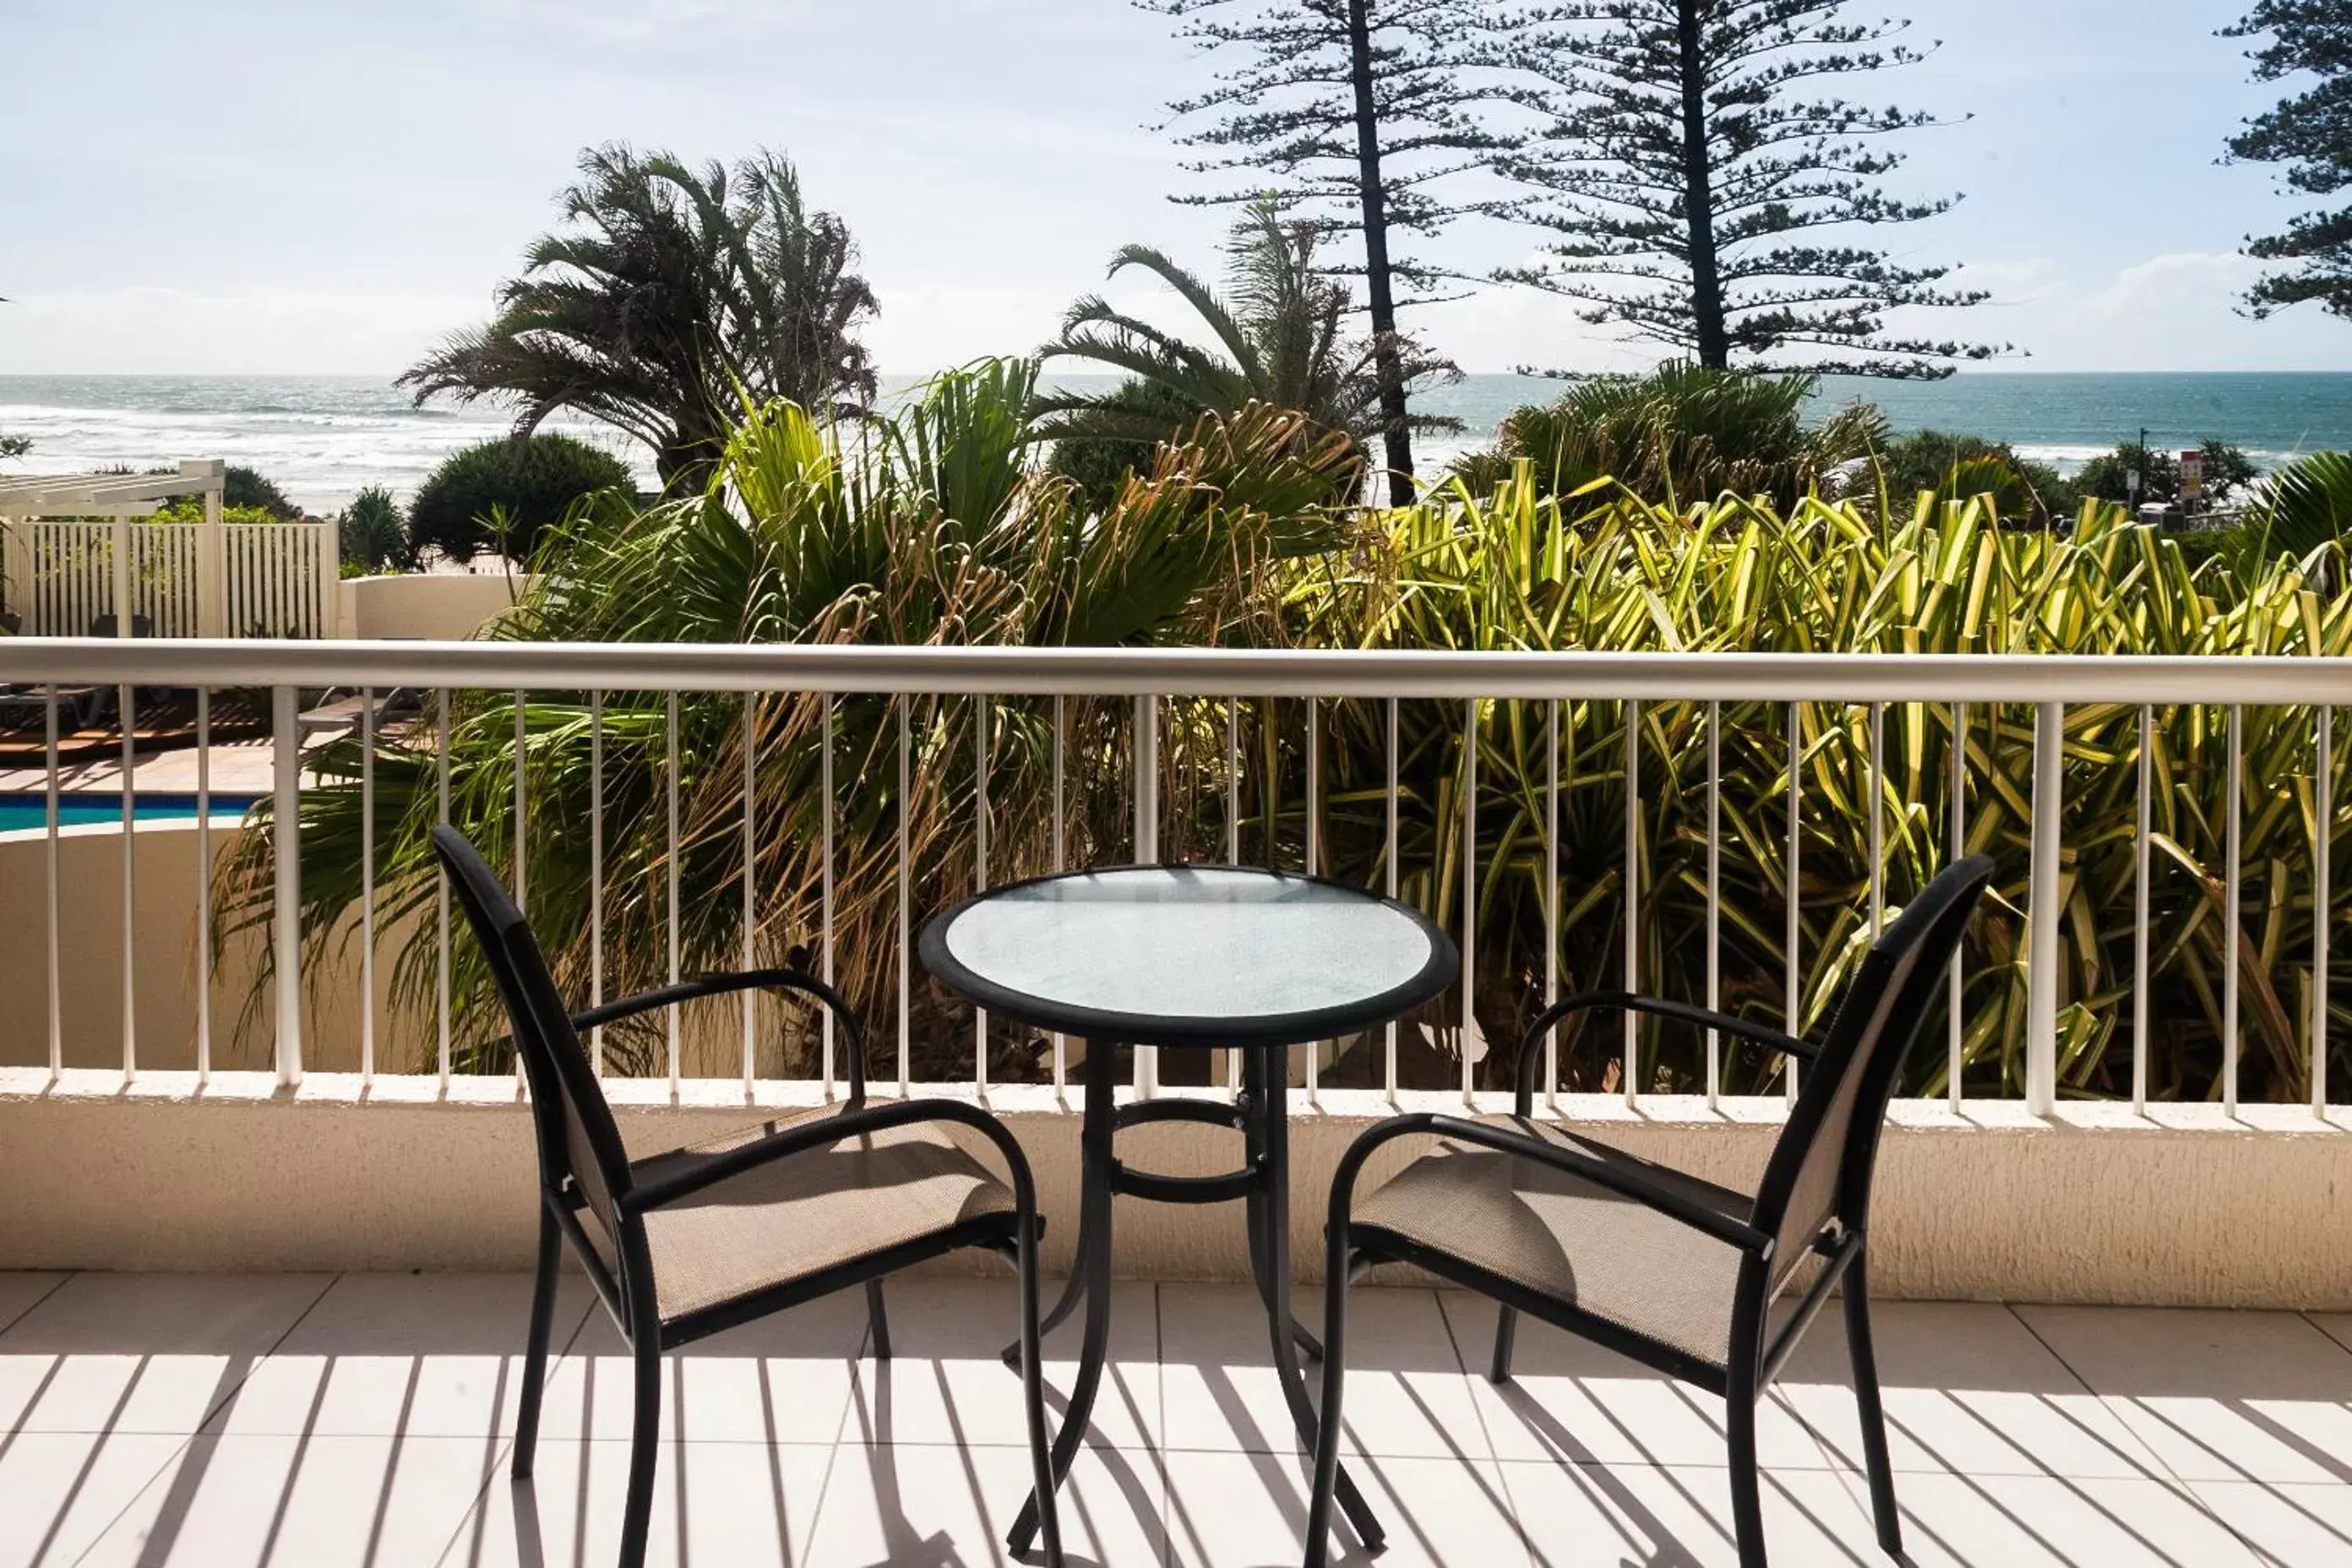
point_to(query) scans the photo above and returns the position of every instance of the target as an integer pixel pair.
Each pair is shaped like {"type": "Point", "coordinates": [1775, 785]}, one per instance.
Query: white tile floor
{"type": "Point", "coordinates": [314, 1421]}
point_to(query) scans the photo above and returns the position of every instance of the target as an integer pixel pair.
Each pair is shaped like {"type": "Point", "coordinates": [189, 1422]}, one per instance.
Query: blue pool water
{"type": "Point", "coordinates": [20, 810]}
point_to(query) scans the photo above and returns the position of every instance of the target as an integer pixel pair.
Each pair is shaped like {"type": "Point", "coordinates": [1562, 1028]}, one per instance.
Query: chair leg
{"type": "Point", "coordinates": [1507, 1336]}
{"type": "Point", "coordinates": [1032, 1398]}
{"type": "Point", "coordinates": [1328, 1432]}
{"type": "Point", "coordinates": [644, 1448]}
{"type": "Point", "coordinates": [1873, 1414]}
{"type": "Point", "coordinates": [1747, 1502]}
{"type": "Point", "coordinates": [880, 1318]}
{"type": "Point", "coordinates": [534, 1359]}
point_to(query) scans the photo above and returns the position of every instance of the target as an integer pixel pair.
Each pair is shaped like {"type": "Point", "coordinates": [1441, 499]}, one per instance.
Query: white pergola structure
{"type": "Point", "coordinates": [71, 556]}
{"type": "Point", "coordinates": [113, 495]}
{"type": "Point", "coordinates": [122, 498]}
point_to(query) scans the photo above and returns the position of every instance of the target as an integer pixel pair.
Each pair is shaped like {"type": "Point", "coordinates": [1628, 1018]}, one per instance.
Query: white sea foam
{"type": "Point", "coordinates": [322, 438]}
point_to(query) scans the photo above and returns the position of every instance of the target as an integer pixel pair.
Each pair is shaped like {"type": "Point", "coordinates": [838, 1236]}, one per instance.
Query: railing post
{"type": "Point", "coordinates": [1147, 844]}
{"type": "Point", "coordinates": [286, 927]}
{"type": "Point", "coordinates": [2322, 898]}
{"type": "Point", "coordinates": [1470, 903]}
{"type": "Point", "coordinates": [2042, 907]}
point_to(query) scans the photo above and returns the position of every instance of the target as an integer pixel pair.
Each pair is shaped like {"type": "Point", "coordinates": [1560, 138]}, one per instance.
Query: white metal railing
{"type": "Point", "coordinates": [63, 577]}
{"type": "Point", "coordinates": [1148, 677]}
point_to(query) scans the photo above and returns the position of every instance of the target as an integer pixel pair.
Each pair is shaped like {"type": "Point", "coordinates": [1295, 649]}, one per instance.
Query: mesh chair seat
{"type": "Point", "coordinates": [1573, 1240]}
{"type": "Point", "coordinates": [808, 1212]}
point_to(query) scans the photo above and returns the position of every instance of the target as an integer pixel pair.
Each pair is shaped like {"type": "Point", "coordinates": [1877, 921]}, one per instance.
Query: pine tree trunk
{"type": "Point", "coordinates": [1714, 342]}
{"type": "Point", "coordinates": [1388, 363]}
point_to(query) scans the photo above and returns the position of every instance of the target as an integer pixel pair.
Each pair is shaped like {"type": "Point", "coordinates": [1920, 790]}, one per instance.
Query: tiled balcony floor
{"type": "Point", "coordinates": [312, 1421]}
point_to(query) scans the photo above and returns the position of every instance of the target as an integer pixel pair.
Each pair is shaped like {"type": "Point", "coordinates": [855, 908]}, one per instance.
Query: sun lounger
{"type": "Point", "coordinates": [105, 627]}
{"type": "Point", "coordinates": [342, 710]}
{"type": "Point", "coordinates": [26, 707]}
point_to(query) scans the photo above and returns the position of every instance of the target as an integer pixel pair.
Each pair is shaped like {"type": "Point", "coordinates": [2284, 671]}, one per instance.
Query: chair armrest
{"type": "Point", "coordinates": [1714, 1223]}
{"type": "Point", "coordinates": [745, 980]}
{"type": "Point", "coordinates": [816, 1132]}
{"type": "Point", "coordinates": [1658, 1006]}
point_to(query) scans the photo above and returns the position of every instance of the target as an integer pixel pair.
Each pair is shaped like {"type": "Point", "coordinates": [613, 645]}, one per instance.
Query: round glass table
{"type": "Point", "coordinates": [1199, 957]}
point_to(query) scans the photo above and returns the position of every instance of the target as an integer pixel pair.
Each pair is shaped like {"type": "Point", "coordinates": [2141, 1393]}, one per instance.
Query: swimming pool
{"type": "Point", "coordinates": [23, 809]}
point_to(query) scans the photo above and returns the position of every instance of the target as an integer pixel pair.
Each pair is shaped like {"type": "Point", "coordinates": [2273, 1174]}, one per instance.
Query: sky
{"type": "Point", "coordinates": [323, 187]}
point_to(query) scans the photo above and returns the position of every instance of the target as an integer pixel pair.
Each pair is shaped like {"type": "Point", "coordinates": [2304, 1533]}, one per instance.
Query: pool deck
{"type": "Point", "coordinates": [238, 767]}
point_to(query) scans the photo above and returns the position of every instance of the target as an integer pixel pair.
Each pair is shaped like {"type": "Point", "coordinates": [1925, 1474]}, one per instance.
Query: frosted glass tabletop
{"type": "Point", "coordinates": [1189, 954]}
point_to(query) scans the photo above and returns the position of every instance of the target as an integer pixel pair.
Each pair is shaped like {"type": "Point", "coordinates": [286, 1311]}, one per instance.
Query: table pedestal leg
{"type": "Point", "coordinates": [1089, 1277]}
{"type": "Point", "coordinates": [1261, 1272]}
{"type": "Point", "coordinates": [1265, 1129]}
{"type": "Point", "coordinates": [1269, 1214]}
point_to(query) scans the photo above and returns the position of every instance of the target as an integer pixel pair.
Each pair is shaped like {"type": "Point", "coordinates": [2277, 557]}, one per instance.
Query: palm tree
{"type": "Point", "coordinates": [933, 526]}
{"type": "Point", "coordinates": [1681, 434]}
{"type": "Point", "coordinates": [670, 296]}
{"type": "Point", "coordinates": [1278, 335]}
{"type": "Point", "coordinates": [375, 534]}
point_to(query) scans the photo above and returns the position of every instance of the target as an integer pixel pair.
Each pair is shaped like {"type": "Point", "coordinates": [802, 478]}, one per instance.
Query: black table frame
{"type": "Point", "coordinates": [1260, 1113]}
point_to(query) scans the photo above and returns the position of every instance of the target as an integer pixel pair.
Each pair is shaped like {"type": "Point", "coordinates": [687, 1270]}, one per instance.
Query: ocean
{"type": "Point", "coordinates": [322, 438]}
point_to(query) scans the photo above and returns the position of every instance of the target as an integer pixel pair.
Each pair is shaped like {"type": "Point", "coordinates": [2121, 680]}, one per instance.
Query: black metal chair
{"type": "Point", "coordinates": [1676, 1273]}
{"type": "Point", "coordinates": [685, 1244]}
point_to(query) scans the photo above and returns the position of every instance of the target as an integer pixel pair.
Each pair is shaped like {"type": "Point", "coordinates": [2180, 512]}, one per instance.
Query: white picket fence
{"type": "Point", "coordinates": [64, 578]}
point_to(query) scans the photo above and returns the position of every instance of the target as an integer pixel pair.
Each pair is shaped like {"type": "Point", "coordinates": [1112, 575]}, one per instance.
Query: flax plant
{"type": "Point", "coordinates": [1512, 568]}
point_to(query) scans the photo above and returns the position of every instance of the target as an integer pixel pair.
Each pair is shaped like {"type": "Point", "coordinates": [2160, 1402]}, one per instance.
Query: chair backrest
{"type": "Point", "coordinates": [1821, 1167]}
{"type": "Point", "coordinates": [577, 1137]}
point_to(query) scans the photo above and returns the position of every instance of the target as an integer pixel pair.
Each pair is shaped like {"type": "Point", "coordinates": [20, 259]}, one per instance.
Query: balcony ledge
{"type": "Point", "coordinates": [2183, 1206]}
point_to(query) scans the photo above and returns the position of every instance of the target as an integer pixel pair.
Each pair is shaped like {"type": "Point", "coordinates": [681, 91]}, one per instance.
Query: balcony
{"type": "Point", "coordinates": [279, 1181]}
{"type": "Point", "coordinates": [363, 1418]}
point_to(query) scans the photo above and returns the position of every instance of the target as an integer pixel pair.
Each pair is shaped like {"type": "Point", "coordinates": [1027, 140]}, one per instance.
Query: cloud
{"type": "Point", "coordinates": [923, 330]}
{"type": "Point", "coordinates": [695, 21]}
{"type": "Point", "coordinates": [640, 21]}
{"type": "Point", "coordinates": [2174, 310]}
{"type": "Point", "coordinates": [1503, 328]}
{"type": "Point", "coordinates": [2189, 280]}
{"type": "Point", "coordinates": [2170, 312]}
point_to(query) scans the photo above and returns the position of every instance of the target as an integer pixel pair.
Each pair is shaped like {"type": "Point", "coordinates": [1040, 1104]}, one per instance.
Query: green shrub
{"type": "Point", "coordinates": [2228, 473]}
{"type": "Point", "coordinates": [530, 483]}
{"type": "Point", "coordinates": [1955, 466]}
{"type": "Point", "coordinates": [247, 495]}
{"type": "Point", "coordinates": [1683, 433]}
{"type": "Point", "coordinates": [248, 489]}
{"type": "Point", "coordinates": [190, 509]}
{"type": "Point", "coordinates": [373, 533]}
{"type": "Point", "coordinates": [1100, 462]}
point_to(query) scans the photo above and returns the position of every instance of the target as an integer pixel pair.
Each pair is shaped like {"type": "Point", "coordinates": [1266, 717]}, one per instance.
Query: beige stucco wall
{"type": "Point", "coordinates": [2091, 1205]}
{"type": "Point", "coordinates": [162, 969]}
{"type": "Point", "coordinates": [438, 605]}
